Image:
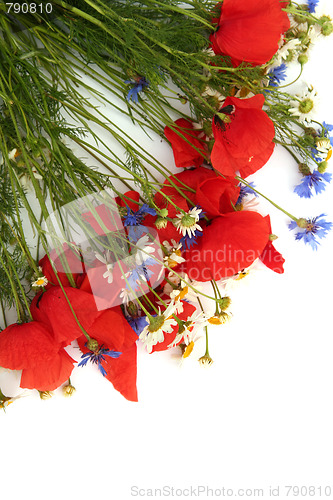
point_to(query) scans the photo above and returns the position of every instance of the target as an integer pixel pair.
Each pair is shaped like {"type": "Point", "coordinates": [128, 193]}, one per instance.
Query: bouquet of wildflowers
{"type": "Point", "coordinates": [122, 250]}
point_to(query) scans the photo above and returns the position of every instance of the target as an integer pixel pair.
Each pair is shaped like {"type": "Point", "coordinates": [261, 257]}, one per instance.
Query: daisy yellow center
{"type": "Point", "coordinates": [172, 263]}
{"type": "Point", "coordinates": [188, 349]}
{"type": "Point", "coordinates": [242, 275]}
{"type": "Point", "coordinates": [182, 293]}
{"type": "Point", "coordinates": [306, 106]}
{"type": "Point", "coordinates": [40, 282]}
{"type": "Point", "coordinates": [215, 320]}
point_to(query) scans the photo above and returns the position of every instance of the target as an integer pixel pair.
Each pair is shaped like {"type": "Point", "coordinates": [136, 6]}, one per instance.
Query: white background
{"type": "Point", "coordinates": [261, 416]}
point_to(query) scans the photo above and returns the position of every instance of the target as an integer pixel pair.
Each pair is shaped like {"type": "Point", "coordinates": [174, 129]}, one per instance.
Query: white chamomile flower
{"type": "Point", "coordinates": [143, 250]}
{"type": "Point", "coordinates": [153, 333]}
{"type": "Point", "coordinates": [173, 258]}
{"type": "Point", "coordinates": [186, 223]}
{"type": "Point", "coordinates": [126, 296]}
{"type": "Point", "coordinates": [189, 332]}
{"type": "Point", "coordinates": [39, 282]}
{"type": "Point", "coordinates": [109, 265]}
{"type": "Point", "coordinates": [323, 148]}
{"type": "Point", "coordinates": [285, 50]}
{"type": "Point", "coordinates": [305, 105]}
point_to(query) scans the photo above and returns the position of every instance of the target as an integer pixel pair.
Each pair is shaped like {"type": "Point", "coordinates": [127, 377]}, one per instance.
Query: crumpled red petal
{"type": "Point", "coordinates": [228, 245]}
{"type": "Point", "coordinates": [48, 376]}
{"type": "Point", "coordinates": [122, 373]}
{"type": "Point", "coordinates": [186, 154]}
{"type": "Point", "coordinates": [26, 345]}
{"type": "Point", "coordinates": [249, 30]}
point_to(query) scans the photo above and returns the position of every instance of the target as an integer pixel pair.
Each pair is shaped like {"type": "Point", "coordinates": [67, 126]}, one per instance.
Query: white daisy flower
{"type": "Point", "coordinates": [41, 281]}
{"type": "Point", "coordinates": [126, 296]}
{"type": "Point", "coordinates": [153, 333]}
{"type": "Point", "coordinates": [109, 265]}
{"type": "Point", "coordinates": [193, 323]}
{"type": "Point", "coordinates": [323, 148]}
{"type": "Point", "coordinates": [173, 258]}
{"type": "Point", "coordinates": [186, 223]}
{"type": "Point", "coordinates": [304, 106]}
{"type": "Point", "coordinates": [284, 51]}
{"type": "Point", "coordinates": [143, 250]}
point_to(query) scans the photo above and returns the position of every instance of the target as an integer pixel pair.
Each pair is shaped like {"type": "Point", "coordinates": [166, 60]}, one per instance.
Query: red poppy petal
{"type": "Point", "coordinates": [48, 376]}
{"type": "Point", "coordinates": [228, 245]}
{"type": "Point", "coordinates": [122, 372]}
{"type": "Point", "coordinates": [186, 150]}
{"type": "Point", "coordinates": [217, 196]}
{"type": "Point", "coordinates": [130, 199]}
{"type": "Point", "coordinates": [272, 258]}
{"type": "Point", "coordinates": [26, 345]}
{"type": "Point", "coordinates": [53, 309]}
{"type": "Point", "coordinates": [111, 329]}
{"type": "Point", "coordinates": [104, 219]}
{"type": "Point", "coordinates": [70, 259]}
{"type": "Point", "coordinates": [250, 30]}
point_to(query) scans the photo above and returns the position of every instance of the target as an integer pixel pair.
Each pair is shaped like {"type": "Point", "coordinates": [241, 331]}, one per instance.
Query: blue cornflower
{"type": "Point", "coordinates": [138, 323]}
{"type": "Point", "coordinates": [311, 228]}
{"type": "Point", "coordinates": [312, 4]}
{"type": "Point", "coordinates": [277, 75]}
{"type": "Point", "coordinates": [139, 274]}
{"type": "Point", "coordinates": [96, 357]}
{"type": "Point", "coordinates": [138, 86]}
{"type": "Point", "coordinates": [135, 217]}
{"type": "Point", "coordinates": [244, 191]}
{"type": "Point", "coordinates": [133, 221]}
{"type": "Point", "coordinates": [316, 180]}
{"type": "Point", "coordinates": [189, 241]}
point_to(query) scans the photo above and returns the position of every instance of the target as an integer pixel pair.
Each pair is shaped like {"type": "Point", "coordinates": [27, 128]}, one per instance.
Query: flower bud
{"type": "Point", "coordinates": [302, 223]}
{"type": "Point", "coordinates": [272, 237]}
{"type": "Point", "coordinates": [205, 360]}
{"type": "Point", "coordinates": [304, 168]}
{"type": "Point", "coordinates": [44, 395]}
{"type": "Point", "coordinates": [92, 345]}
{"type": "Point", "coordinates": [161, 223]}
{"type": "Point", "coordinates": [68, 390]}
{"type": "Point", "coordinates": [303, 59]}
{"type": "Point", "coordinates": [164, 212]}
{"type": "Point", "coordinates": [224, 303]}
{"type": "Point", "coordinates": [322, 167]}
{"type": "Point", "coordinates": [207, 128]}
{"type": "Point", "coordinates": [327, 28]}
{"type": "Point", "coordinates": [132, 309]}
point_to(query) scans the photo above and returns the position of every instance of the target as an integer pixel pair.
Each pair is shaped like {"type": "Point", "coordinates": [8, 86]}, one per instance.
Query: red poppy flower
{"type": "Point", "coordinates": [228, 245]}
{"type": "Point", "coordinates": [249, 30]}
{"type": "Point", "coordinates": [37, 347]}
{"type": "Point", "coordinates": [188, 150]}
{"type": "Point", "coordinates": [245, 143]}
{"type": "Point", "coordinates": [203, 187]}
{"type": "Point", "coordinates": [31, 347]}
{"type": "Point", "coordinates": [114, 333]}
{"type": "Point", "coordinates": [66, 267]}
